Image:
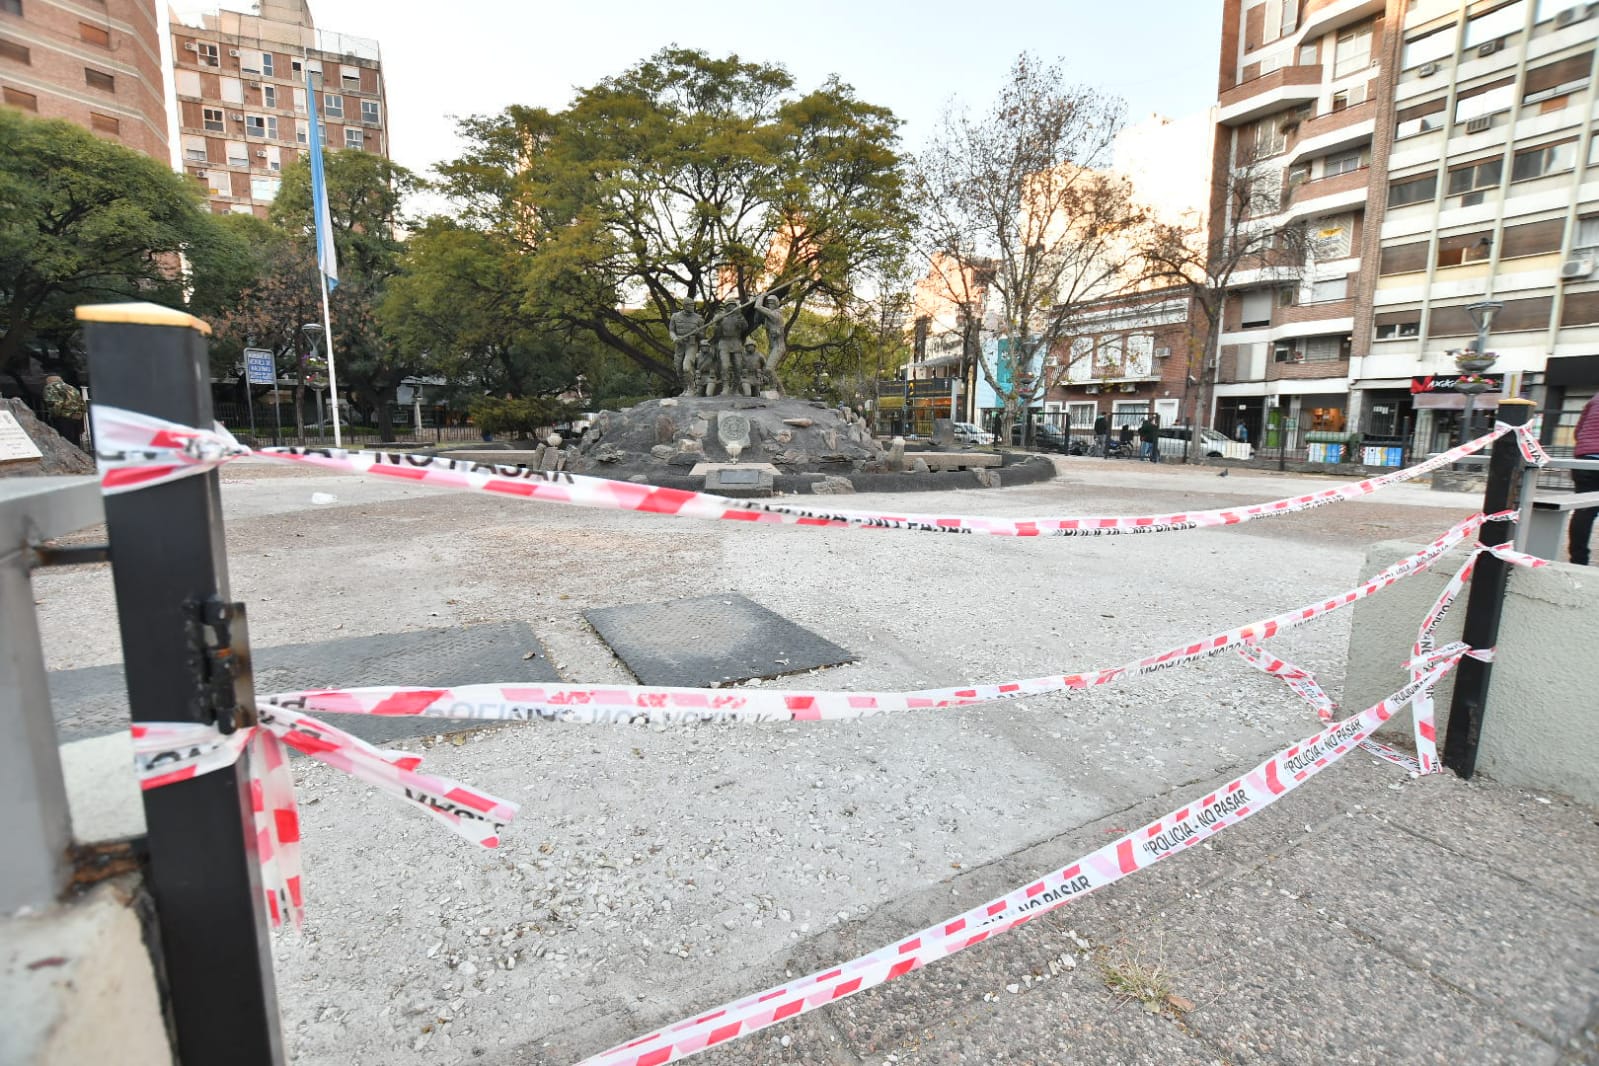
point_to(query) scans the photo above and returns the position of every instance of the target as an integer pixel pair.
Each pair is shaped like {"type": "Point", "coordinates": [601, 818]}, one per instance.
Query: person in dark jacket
{"type": "Point", "coordinates": [1102, 434]}
{"type": "Point", "coordinates": [1586, 447]}
{"type": "Point", "coordinates": [1149, 434]}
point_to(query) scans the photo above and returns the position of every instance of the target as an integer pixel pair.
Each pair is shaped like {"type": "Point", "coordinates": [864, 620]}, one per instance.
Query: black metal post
{"type": "Point", "coordinates": [1486, 599]}
{"type": "Point", "coordinates": [171, 580]}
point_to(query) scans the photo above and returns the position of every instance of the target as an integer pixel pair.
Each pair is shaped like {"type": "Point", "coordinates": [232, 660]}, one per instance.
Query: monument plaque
{"type": "Point", "coordinates": [15, 444]}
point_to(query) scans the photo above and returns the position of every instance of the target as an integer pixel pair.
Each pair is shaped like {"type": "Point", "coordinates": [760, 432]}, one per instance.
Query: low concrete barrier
{"type": "Point", "coordinates": [1541, 728]}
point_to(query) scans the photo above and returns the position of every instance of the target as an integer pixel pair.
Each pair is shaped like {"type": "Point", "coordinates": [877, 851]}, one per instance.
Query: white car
{"type": "Point", "coordinates": [966, 433]}
{"type": "Point", "coordinates": [1209, 444]}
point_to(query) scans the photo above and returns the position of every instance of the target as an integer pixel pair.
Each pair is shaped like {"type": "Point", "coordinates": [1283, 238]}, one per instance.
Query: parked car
{"type": "Point", "coordinates": [966, 433]}
{"type": "Point", "coordinates": [1045, 436]}
{"type": "Point", "coordinates": [1209, 444]}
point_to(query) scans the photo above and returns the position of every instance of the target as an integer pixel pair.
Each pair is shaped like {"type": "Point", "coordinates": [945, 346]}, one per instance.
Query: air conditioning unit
{"type": "Point", "coordinates": [1488, 48]}
{"type": "Point", "coordinates": [1092, 390]}
{"type": "Point", "coordinates": [237, 116]}
{"type": "Point", "coordinates": [253, 84]}
{"type": "Point", "coordinates": [1162, 353]}
{"type": "Point", "coordinates": [1480, 124]}
{"type": "Point", "coordinates": [260, 153]}
{"type": "Point", "coordinates": [190, 46]}
{"type": "Point", "coordinates": [233, 53]}
{"type": "Point", "coordinates": [1429, 69]}
{"type": "Point", "coordinates": [1576, 269]}
{"type": "Point", "coordinates": [1571, 16]}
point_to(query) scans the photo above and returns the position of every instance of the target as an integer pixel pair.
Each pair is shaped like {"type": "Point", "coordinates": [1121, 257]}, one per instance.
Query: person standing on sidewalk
{"type": "Point", "coordinates": [1102, 435]}
{"type": "Point", "coordinates": [1150, 436]}
{"type": "Point", "coordinates": [1587, 447]}
{"type": "Point", "coordinates": [63, 409]}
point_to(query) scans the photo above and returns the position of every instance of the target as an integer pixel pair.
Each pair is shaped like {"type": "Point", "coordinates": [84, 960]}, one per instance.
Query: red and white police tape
{"type": "Point", "coordinates": [165, 752]}
{"type": "Point", "coordinates": [136, 451]}
{"type": "Point", "coordinates": [1183, 828]}
{"type": "Point", "coordinates": [635, 704]}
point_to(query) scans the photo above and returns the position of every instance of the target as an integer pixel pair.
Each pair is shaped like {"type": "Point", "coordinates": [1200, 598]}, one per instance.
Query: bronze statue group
{"type": "Point", "coordinates": [717, 357]}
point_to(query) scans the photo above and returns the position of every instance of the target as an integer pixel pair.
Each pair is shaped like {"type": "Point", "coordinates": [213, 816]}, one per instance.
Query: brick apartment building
{"type": "Point", "coordinates": [1439, 153]}
{"type": "Point", "coordinates": [241, 95]}
{"type": "Point", "coordinates": [96, 64]}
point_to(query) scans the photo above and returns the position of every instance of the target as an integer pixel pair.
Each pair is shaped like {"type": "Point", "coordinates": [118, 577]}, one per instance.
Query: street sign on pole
{"type": "Point", "coordinates": [260, 368]}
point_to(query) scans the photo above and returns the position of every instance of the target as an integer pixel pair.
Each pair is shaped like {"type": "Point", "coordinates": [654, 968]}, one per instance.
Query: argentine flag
{"type": "Point", "coordinates": [326, 259]}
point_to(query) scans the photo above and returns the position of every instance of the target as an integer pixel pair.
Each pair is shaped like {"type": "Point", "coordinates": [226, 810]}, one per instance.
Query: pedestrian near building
{"type": "Point", "coordinates": [1149, 435]}
{"type": "Point", "coordinates": [1243, 433]}
{"type": "Point", "coordinates": [63, 409]}
{"type": "Point", "coordinates": [1102, 434]}
{"type": "Point", "coordinates": [1587, 447]}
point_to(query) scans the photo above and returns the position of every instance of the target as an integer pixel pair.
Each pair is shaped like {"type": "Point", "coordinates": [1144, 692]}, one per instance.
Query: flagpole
{"type": "Point", "coordinates": [333, 377]}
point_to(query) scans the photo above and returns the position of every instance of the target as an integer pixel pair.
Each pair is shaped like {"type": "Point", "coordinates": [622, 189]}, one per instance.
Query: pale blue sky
{"type": "Point", "coordinates": [472, 57]}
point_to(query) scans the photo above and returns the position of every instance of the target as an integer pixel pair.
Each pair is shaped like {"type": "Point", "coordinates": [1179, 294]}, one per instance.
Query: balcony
{"type": "Point", "coordinates": [1322, 16]}
{"type": "Point", "coordinates": [1327, 194]}
{"type": "Point", "coordinates": [1281, 88]}
{"type": "Point", "coordinates": [1334, 131]}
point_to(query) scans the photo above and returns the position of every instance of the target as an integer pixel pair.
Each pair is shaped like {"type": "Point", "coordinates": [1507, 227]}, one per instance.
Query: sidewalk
{"type": "Point", "coordinates": [1366, 918]}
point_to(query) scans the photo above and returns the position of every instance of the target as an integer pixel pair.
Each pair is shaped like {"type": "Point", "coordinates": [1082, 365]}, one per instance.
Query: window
{"type": "Point", "coordinates": [1353, 51]}
{"type": "Point", "coordinates": [1429, 48]}
{"type": "Point", "coordinates": [194, 149]}
{"type": "Point", "coordinates": [1557, 79]}
{"type": "Point", "coordinates": [94, 34]}
{"type": "Point", "coordinates": [1464, 248]}
{"type": "Point", "coordinates": [16, 98]}
{"type": "Point", "coordinates": [274, 158]}
{"type": "Point", "coordinates": [1548, 159]}
{"type": "Point", "coordinates": [1484, 100]}
{"type": "Point", "coordinates": [1587, 233]}
{"type": "Point", "coordinates": [267, 64]}
{"type": "Point", "coordinates": [269, 96]}
{"type": "Point", "coordinates": [1283, 352]}
{"type": "Point", "coordinates": [1422, 118]}
{"type": "Point", "coordinates": [14, 7]}
{"type": "Point", "coordinates": [352, 136]}
{"type": "Point", "coordinates": [299, 101]}
{"type": "Point", "coordinates": [207, 54]}
{"type": "Point", "coordinates": [1343, 163]}
{"type": "Point", "coordinates": [249, 62]}
{"type": "Point", "coordinates": [352, 81]}
{"type": "Point", "coordinates": [272, 127]}
{"type": "Point", "coordinates": [99, 79]}
{"type": "Point", "coordinates": [211, 119]}
{"type": "Point", "coordinates": [1109, 359]}
{"type": "Point", "coordinates": [1082, 414]}
{"type": "Point", "coordinates": [264, 188]}
{"type": "Point", "coordinates": [1347, 98]}
{"type": "Point", "coordinates": [1395, 325]}
{"type": "Point", "coordinates": [215, 182]}
{"type": "Point", "coordinates": [187, 82]}
{"type": "Point", "coordinates": [1257, 308]}
{"type": "Point", "coordinates": [1326, 349]}
{"type": "Point", "coordinates": [1498, 23]}
{"type": "Point", "coordinates": [1548, 9]}
{"type": "Point", "coordinates": [12, 50]}
{"type": "Point", "coordinates": [1476, 176]}
{"type": "Point", "coordinates": [296, 68]}
{"type": "Point", "coordinates": [1140, 355]}
{"type": "Point", "coordinates": [232, 90]}
{"type": "Point", "coordinates": [1270, 137]}
{"type": "Point", "coordinates": [369, 112]}
{"type": "Point", "coordinates": [238, 154]}
{"type": "Point", "coordinates": [1330, 290]}
{"type": "Point", "coordinates": [104, 123]}
{"type": "Point", "coordinates": [333, 105]}
{"type": "Point", "coordinates": [254, 126]}
{"type": "Point", "coordinates": [299, 133]}
{"type": "Point", "coordinates": [1412, 191]}
{"type": "Point", "coordinates": [1309, 54]}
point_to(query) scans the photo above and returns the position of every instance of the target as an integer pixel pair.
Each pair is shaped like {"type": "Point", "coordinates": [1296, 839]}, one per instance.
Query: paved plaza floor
{"type": "Point", "coordinates": [657, 872]}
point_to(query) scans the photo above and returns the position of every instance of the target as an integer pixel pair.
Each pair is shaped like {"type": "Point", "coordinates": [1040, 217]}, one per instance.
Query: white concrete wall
{"type": "Point", "coordinates": [1541, 728]}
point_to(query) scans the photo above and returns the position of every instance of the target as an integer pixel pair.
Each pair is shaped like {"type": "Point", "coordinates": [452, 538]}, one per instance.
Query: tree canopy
{"type": "Point", "coordinates": [684, 178]}
{"type": "Point", "coordinates": [84, 220]}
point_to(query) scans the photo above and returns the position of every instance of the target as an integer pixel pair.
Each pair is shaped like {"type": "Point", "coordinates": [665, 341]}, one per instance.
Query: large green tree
{"type": "Point", "coordinates": [685, 178]}
{"type": "Point", "coordinates": [84, 220]}
{"type": "Point", "coordinates": [365, 194]}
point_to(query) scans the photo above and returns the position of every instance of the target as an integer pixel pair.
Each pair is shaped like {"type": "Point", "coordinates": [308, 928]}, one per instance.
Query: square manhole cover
{"type": "Point", "coordinates": [93, 700]}
{"type": "Point", "coordinates": [710, 640]}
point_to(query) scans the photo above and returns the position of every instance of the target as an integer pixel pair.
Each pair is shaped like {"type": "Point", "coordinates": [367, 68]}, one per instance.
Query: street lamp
{"type": "Point", "coordinates": [1472, 360]}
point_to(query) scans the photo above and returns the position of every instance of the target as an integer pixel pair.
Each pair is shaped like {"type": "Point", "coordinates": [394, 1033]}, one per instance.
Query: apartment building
{"type": "Point", "coordinates": [95, 63]}
{"type": "Point", "coordinates": [1492, 195]}
{"type": "Point", "coordinates": [1128, 358]}
{"type": "Point", "coordinates": [240, 81]}
{"type": "Point", "coordinates": [1435, 154]}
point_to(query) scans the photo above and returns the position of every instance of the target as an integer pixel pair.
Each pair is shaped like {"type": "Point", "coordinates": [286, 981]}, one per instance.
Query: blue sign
{"type": "Point", "coordinates": [260, 368]}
